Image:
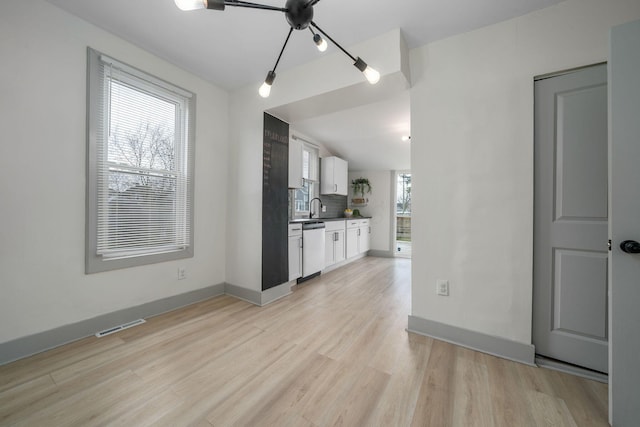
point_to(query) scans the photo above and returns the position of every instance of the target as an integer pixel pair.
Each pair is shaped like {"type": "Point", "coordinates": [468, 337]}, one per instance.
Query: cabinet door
{"type": "Point", "coordinates": [365, 238]}
{"type": "Point", "coordinates": [295, 257]}
{"type": "Point", "coordinates": [341, 177]}
{"type": "Point", "coordinates": [327, 167]}
{"type": "Point", "coordinates": [334, 179]}
{"type": "Point", "coordinates": [295, 164]}
{"type": "Point", "coordinates": [339, 247]}
{"type": "Point", "coordinates": [329, 248]}
{"type": "Point", "coordinates": [352, 242]}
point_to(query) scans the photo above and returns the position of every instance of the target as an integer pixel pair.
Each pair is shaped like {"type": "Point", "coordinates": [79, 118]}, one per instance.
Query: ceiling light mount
{"type": "Point", "coordinates": [299, 15]}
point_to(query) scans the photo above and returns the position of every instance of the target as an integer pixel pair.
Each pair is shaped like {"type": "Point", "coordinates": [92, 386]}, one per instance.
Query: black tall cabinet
{"type": "Point", "coordinates": [275, 170]}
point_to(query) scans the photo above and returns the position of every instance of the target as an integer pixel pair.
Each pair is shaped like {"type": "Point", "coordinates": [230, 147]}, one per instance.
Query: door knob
{"type": "Point", "coordinates": [630, 247]}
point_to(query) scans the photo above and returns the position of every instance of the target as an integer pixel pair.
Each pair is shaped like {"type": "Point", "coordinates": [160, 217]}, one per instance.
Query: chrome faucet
{"type": "Point", "coordinates": [310, 210]}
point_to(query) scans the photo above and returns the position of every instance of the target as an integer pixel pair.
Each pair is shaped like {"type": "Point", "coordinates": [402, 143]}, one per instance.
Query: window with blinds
{"type": "Point", "coordinates": [140, 183]}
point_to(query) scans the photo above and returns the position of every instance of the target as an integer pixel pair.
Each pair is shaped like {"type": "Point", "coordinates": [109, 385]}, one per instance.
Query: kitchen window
{"type": "Point", "coordinates": [140, 167]}
{"type": "Point", "coordinates": [302, 196]}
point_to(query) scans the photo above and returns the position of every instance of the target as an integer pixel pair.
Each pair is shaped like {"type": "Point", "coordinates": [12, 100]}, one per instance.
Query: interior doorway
{"type": "Point", "coordinates": [403, 214]}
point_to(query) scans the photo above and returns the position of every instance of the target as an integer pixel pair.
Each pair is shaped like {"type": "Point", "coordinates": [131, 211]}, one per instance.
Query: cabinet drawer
{"type": "Point", "coordinates": [353, 223]}
{"type": "Point", "coordinates": [334, 225]}
{"type": "Point", "coordinates": [295, 230]}
{"type": "Point", "coordinates": [363, 222]}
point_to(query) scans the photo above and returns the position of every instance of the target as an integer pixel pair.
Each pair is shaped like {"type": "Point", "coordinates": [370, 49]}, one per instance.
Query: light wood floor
{"type": "Point", "coordinates": [334, 353]}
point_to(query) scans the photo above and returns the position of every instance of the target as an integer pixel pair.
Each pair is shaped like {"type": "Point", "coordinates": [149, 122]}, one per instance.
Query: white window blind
{"type": "Point", "coordinates": [143, 164]}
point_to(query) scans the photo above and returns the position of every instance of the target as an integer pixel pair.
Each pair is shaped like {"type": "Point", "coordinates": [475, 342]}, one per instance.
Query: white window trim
{"type": "Point", "coordinates": [96, 263]}
{"type": "Point", "coordinates": [314, 156]}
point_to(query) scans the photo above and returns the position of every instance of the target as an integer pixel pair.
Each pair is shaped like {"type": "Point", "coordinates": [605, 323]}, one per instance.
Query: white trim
{"type": "Point", "coordinates": [496, 346]}
{"type": "Point", "coordinates": [144, 76]}
{"type": "Point", "coordinates": [26, 346]}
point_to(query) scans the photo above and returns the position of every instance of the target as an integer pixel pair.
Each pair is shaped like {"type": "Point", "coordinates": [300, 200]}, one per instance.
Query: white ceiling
{"type": "Point", "coordinates": [237, 47]}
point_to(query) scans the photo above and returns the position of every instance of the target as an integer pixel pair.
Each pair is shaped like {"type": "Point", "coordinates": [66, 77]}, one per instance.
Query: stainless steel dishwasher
{"type": "Point", "coordinates": [312, 249]}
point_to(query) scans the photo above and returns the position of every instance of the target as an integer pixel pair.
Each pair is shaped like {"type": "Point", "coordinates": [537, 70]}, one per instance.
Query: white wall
{"type": "Point", "coordinates": [378, 207]}
{"type": "Point", "coordinates": [472, 159]}
{"type": "Point", "coordinates": [42, 176]}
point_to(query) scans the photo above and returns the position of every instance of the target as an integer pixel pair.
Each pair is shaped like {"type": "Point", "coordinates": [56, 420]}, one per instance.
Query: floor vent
{"type": "Point", "coordinates": [119, 328]}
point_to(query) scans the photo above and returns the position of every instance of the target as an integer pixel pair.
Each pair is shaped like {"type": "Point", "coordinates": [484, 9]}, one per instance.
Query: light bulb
{"type": "Point", "coordinates": [406, 138]}
{"type": "Point", "coordinates": [321, 43]}
{"type": "Point", "coordinates": [264, 90]}
{"type": "Point", "coordinates": [372, 75]}
{"type": "Point", "coordinates": [191, 4]}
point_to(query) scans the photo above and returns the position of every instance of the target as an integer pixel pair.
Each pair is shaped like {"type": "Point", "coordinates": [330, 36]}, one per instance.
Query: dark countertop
{"type": "Point", "coordinates": [301, 220]}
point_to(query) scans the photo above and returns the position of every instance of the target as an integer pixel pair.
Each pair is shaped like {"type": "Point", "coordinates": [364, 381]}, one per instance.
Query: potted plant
{"type": "Point", "coordinates": [360, 186]}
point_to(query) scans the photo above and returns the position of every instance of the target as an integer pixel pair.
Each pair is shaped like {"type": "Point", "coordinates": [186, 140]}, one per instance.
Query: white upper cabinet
{"type": "Point", "coordinates": [334, 176]}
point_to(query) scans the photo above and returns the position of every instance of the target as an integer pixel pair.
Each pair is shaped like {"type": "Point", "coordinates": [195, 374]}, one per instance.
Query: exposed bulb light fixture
{"type": "Point", "coordinates": [321, 43]}
{"type": "Point", "coordinates": [371, 75]}
{"type": "Point", "coordinates": [265, 89]}
{"type": "Point", "coordinates": [406, 138]}
{"type": "Point", "coordinates": [299, 15]}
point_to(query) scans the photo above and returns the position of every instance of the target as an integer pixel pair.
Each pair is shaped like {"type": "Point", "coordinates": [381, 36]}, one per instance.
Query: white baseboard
{"type": "Point", "coordinates": [37, 343]}
{"type": "Point", "coordinates": [496, 346]}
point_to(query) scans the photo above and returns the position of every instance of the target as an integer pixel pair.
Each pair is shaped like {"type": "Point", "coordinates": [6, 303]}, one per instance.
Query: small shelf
{"type": "Point", "coordinates": [359, 202]}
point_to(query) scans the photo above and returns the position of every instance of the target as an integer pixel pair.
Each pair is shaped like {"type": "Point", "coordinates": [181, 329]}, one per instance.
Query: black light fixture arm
{"type": "Point", "coordinates": [282, 50]}
{"type": "Point", "coordinates": [239, 3]}
{"type": "Point", "coordinates": [312, 3]}
{"type": "Point", "coordinates": [333, 41]}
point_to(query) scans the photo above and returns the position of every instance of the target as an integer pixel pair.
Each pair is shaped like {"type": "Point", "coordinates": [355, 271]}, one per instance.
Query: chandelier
{"type": "Point", "coordinates": [299, 14]}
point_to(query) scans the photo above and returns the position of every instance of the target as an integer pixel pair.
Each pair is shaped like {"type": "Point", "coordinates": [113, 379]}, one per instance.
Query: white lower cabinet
{"type": "Point", "coordinates": [352, 238]}
{"type": "Point", "coordinates": [295, 251]}
{"type": "Point", "coordinates": [365, 235]}
{"type": "Point", "coordinates": [334, 242]}
{"type": "Point", "coordinates": [358, 237]}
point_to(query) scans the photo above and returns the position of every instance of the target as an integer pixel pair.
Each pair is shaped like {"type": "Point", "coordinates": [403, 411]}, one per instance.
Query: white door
{"type": "Point", "coordinates": [329, 248]}
{"type": "Point", "coordinates": [339, 246]}
{"type": "Point", "coordinates": [340, 175]}
{"type": "Point", "coordinates": [352, 242]}
{"type": "Point", "coordinates": [571, 218]}
{"type": "Point", "coordinates": [295, 257]}
{"type": "Point", "coordinates": [624, 377]}
{"type": "Point", "coordinates": [365, 238]}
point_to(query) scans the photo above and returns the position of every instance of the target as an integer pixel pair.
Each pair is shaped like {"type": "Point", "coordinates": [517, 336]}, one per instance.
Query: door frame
{"type": "Point", "coordinates": [394, 211]}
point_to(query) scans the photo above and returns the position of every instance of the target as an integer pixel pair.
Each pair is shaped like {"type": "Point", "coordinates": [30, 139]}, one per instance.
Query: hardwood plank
{"type": "Point", "coordinates": [550, 411]}
{"type": "Point", "coordinates": [282, 401]}
{"type": "Point", "coordinates": [398, 403]}
{"type": "Point", "coordinates": [471, 396]}
{"type": "Point", "coordinates": [24, 370]}
{"type": "Point", "coordinates": [435, 398]}
{"type": "Point", "coordinates": [362, 399]}
{"type": "Point", "coordinates": [505, 390]}
{"type": "Point", "coordinates": [18, 401]}
{"type": "Point", "coordinates": [86, 407]}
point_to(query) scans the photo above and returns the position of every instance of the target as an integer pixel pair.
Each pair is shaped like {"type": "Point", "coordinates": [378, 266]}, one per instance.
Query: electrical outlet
{"type": "Point", "coordinates": [324, 208]}
{"type": "Point", "coordinates": [182, 273]}
{"type": "Point", "coordinates": [442, 288]}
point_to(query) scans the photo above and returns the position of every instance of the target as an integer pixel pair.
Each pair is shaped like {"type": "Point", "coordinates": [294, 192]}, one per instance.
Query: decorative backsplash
{"type": "Point", "coordinates": [335, 206]}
